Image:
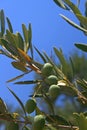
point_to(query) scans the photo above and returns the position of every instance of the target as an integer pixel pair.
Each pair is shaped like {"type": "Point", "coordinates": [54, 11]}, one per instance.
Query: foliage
{"type": "Point", "coordinates": [51, 80]}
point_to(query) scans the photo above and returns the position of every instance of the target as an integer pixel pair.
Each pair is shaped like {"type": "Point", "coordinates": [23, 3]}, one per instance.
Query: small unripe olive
{"type": "Point", "coordinates": [12, 126]}
{"type": "Point", "coordinates": [46, 69]}
{"type": "Point", "coordinates": [52, 79]}
{"type": "Point", "coordinates": [30, 105]}
{"type": "Point", "coordinates": [39, 122]}
{"type": "Point", "coordinates": [54, 91]}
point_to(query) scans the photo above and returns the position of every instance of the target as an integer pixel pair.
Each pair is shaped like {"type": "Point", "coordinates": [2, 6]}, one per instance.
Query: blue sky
{"type": "Point", "coordinates": [48, 29]}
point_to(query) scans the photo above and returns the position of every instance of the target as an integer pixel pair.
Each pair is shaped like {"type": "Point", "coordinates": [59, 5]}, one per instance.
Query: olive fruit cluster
{"type": "Point", "coordinates": [51, 80]}
{"type": "Point", "coordinates": [39, 122]}
{"type": "Point", "coordinates": [30, 105]}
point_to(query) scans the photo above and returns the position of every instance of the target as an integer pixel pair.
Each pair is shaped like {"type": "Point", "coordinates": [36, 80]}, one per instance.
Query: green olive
{"type": "Point", "coordinates": [12, 126]}
{"type": "Point", "coordinates": [54, 91]}
{"type": "Point", "coordinates": [30, 105]}
{"type": "Point", "coordinates": [52, 79]}
{"type": "Point", "coordinates": [39, 122]}
{"type": "Point", "coordinates": [46, 69]}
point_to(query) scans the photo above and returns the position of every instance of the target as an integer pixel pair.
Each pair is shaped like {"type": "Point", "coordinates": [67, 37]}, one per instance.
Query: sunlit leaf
{"type": "Point", "coordinates": [20, 102]}
{"type": "Point", "coordinates": [81, 46]}
{"type": "Point", "coordinates": [82, 83]}
{"type": "Point", "coordinates": [25, 34]}
{"type": "Point", "coordinates": [73, 7]}
{"type": "Point", "coordinates": [2, 22]}
{"type": "Point", "coordinates": [61, 4]}
{"type": "Point", "coordinates": [28, 60]}
{"type": "Point", "coordinates": [83, 20]}
{"type": "Point", "coordinates": [81, 120]}
{"type": "Point", "coordinates": [9, 25]}
{"type": "Point", "coordinates": [24, 56]}
{"type": "Point", "coordinates": [73, 24]}
{"type": "Point", "coordinates": [20, 66]}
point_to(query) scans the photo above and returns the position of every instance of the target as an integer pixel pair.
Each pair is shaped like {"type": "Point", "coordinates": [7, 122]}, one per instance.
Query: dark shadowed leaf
{"type": "Point", "coordinates": [29, 43]}
{"type": "Point", "coordinates": [2, 21]}
{"type": "Point", "coordinates": [3, 107]}
{"type": "Point", "coordinates": [9, 47]}
{"type": "Point", "coordinates": [12, 126]}
{"type": "Point", "coordinates": [81, 46]}
{"type": "Point", "coordinates": [28, 82]}
{"type": "Point", "coordinates": [58, 119]}
{"type": "Point", "coordinates": [9, 25]}
{"type": "Point", "coordinates": [41, 55]}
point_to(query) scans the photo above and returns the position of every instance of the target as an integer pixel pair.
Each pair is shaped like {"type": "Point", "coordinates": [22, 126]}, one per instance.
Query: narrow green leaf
{"type": "Point", "coordinates": [60, 56]}
{"type": "Point", "coordinates": [20, 41]}
{"type": "Point", "coordinates": [30, 40]}
{"type": "Point", "coordinates": [20, 102]}
{"type": "Point", "coordinates": [82, 83]}
{"type": "Point", "coordinates": [2, 20]}
{"type": "Point", "coordinates": [73, 24]}
{"type": "Point", "coordinates": [28, 82]}
{"type": "Point", "coordinates": [17, 77]}
{"type": "Point", "coordinates": [11, 38]}
{"type": "Point", "coordinates": [25, 33]}
{"type": "Point", "coordinates": [73, 7]}
{"type": "Point", "coordinates": [6, 53]}
{"type": "Point", "coordinates": [61, 4]}
{"type": "Point", "coordinates": [81, 46]}
{"type": "Point", "coordinates": [83, 20]}
{"type": "Point", "coordinates": [72, 65]}
{"type": "Point", "coordinates": [41, 55]}
{"type": "Point", "coordinates": [9, 25]}
{"type": "Point", "coordinates": [58, 119]}
{"type": "Point", "coordinates": [63, 62]}
{"type": "Point", "coordinates": [9, 47]}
